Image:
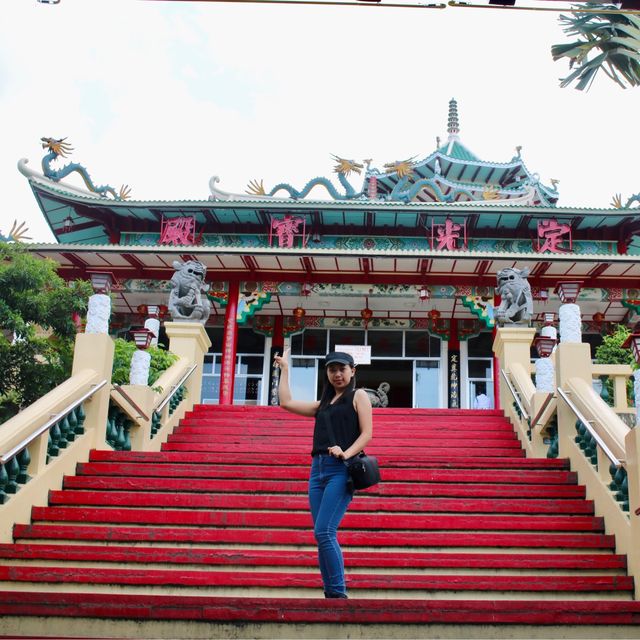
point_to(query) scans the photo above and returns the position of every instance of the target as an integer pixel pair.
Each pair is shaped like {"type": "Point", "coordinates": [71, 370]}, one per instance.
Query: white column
{"type": "Point", "coordinates": [570, 323]}
{"type": "Point", "coordinates": [140, 365]}
{"type": "Point", "coordinates": [98, 313]}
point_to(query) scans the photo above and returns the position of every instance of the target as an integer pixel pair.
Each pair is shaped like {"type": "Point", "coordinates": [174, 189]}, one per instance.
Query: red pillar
{"type": "Point", "coordinates": [229, 345]}
{"type": "Point", "coordinates": [496, 362]}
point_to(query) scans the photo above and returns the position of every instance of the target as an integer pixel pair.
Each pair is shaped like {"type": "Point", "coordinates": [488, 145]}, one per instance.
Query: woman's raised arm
{"type": "Point", "coordinates": [300, 407]}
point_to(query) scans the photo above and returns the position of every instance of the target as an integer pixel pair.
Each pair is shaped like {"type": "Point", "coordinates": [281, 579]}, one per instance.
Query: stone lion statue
{"type": "Point", "coordinates": [516, 306]}
{"type": "Point", "coordinates": [379, 397]}
{"type": "Point", "coordinates": [188, 301]}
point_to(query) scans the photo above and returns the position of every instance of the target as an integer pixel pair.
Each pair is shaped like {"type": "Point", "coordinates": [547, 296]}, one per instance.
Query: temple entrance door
{"type": "Point", "coordinates": [427, 384]}
{"type": "Point", "coordinates": [398, 373]}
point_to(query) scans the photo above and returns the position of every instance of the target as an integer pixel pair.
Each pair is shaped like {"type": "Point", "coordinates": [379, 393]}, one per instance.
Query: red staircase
{"type": "Point", "coordinates": [214, 531]}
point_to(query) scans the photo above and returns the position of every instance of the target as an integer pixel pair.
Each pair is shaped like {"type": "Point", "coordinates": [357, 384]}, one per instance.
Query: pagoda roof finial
{"type": "Point", "coordinates": [453, 125]}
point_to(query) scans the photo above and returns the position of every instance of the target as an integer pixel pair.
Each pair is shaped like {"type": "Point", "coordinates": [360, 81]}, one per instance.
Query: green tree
{"type": "Point", "coordinates": [608, 41]}
{"type": "Point", "coordinates": [611, 351]}
{"type": "Point", "coordinates": [37, 327]}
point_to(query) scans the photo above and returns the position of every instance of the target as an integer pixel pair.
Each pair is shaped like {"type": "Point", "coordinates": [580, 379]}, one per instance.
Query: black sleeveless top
{"type": "Point", "coordinates": [344, 424]}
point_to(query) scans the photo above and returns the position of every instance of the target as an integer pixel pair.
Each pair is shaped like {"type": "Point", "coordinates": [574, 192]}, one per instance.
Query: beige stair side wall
{"type": "Point", "coordinates": [574, 373]}
{"type": "Point", "coordinates": [92, 363]}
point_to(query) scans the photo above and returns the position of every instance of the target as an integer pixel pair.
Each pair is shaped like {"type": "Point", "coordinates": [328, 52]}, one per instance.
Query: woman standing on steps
{"type": "Point", "coordinates": [343, 427]}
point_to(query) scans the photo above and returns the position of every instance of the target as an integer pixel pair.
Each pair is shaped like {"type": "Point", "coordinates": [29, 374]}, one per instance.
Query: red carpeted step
{"type": "Point", "coordinates": [279, 580]}
{"type": "Point", "coordinates": [230, 535]}
{"type": "Point", "coordinates": [300, 486]}
{"type": "Point", "coordinates": [264, 472]}
{"type": "Point", "coordinates": [423, 461]}
{"type": "Point", "coordinates": [281, 502]}
{"type": "Point", "coordinates": [318, 610]}
{"type": "Point", "coordinates": [302, 558]}
{"type": "Point", "coordinates": [248, 449]}
{"type": "Point", "coordinates": [353, 520]}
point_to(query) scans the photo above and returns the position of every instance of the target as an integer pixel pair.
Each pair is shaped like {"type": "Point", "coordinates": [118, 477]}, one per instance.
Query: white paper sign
{"type": "Point", "coordinates": [361, 354]}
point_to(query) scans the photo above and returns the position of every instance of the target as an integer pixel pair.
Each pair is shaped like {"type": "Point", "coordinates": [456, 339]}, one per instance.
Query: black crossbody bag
{"type": "Point", "coordinates": [364, 471]}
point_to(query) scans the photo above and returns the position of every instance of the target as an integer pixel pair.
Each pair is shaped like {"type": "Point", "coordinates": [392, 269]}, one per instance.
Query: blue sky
{"type": "Point", "coordinates": [162, 96]}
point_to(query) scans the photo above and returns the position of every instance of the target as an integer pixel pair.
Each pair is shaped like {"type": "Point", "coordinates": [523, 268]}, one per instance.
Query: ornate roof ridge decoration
{"type": "Point", "coordinates": [426, 179]}
{"type": "Point", "coordinates": [64, 189]}
{"type": "Point", "coordinates": [58, 148]}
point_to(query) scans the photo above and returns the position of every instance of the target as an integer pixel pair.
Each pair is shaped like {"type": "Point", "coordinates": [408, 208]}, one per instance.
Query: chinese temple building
{"type": "Point", "coordinates": [398, 263]}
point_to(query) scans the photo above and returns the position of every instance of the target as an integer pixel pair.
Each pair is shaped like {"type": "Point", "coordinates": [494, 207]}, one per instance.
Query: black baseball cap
{"type": "Point", "coordinates": [340, 357]}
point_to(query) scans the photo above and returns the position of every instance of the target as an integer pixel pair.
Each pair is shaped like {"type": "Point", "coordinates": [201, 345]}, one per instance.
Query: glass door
{"type": "Point", "coordinates": [426, 384]}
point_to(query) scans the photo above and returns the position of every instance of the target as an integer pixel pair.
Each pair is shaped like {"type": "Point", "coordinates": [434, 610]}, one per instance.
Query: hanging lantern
{"type": "Point", "coordinates": [67, 224]}
{"type": "Point", "coordinates": [568, 291]}
{"type": "Point", "coordinates": [366, 314]}
{"type": "Point", "coordinates": [424, 293]}
{"type": "Point", "coordinates": [598, 317]}
{"type": "Point", "coordinates": [298, 313]}
{"type": "Point", "coordinates": [434, 315]}
{"type": "Point", "coordinates": [549, 318]}
{"type": "Point", "coordinates": [142, 309]}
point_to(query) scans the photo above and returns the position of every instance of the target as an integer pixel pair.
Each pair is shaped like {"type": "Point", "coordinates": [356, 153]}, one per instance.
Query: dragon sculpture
{"type": "Point", "coordinates": [617, 201]}
{"type": "Point", "coordinates": [404, 191]}
{"type": "Point", "coordinates": [343, 168]}
{"type": "Point", "coordinates": [58, 148]}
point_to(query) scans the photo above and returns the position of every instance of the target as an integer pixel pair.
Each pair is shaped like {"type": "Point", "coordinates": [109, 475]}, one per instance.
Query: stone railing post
{"type": "Point", "coordinates": [95, 351]}
{"type": "Point", "coordinates": [512, 345]}
{"type": "Point", "coordinates": [573, 360]}
{"type": "Point", "coordinates": [189, 340]}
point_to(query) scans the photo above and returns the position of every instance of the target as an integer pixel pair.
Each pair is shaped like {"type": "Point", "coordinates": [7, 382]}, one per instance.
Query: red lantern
{"type": "Point", "coordinates": [366, 314]}
{"type": "Point", "coordinates": [434, 315]}
{"type": "Point", "coordinates": [298, 313]}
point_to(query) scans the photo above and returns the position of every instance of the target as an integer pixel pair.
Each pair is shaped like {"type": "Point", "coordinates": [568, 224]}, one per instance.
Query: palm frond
{"type": "Point", "coordinates": [608, 42]}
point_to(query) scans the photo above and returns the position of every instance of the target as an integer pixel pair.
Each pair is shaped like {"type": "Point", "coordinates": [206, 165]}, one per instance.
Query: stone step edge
{"type": "Point", "coordinates": [309, 610]}
{"type": "Point", "coordinates": [268, 557]}
{"type": "Point", "coordinates": [282, 580]}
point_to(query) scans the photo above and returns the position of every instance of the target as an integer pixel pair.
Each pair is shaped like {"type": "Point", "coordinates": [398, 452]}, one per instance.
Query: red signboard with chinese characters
{"type": "Point", "coordinates": [553, 236]}
{"type": "Point", "coordinates": [178, 231]}
{"type": "Point", "coordinates": [450, 235]}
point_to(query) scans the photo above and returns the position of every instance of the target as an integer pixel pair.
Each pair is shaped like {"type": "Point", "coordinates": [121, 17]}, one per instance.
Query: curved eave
{"type": "Point", "coordinates": [99, 220]}
{"type": "Point", "coordinates": [195, 251]}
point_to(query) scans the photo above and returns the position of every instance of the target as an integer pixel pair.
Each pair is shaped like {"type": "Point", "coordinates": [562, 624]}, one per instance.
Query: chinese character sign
{"type": "Point", "coordinates": [286, 229]}
{"type": "Point", "coordinates": [178, 231]}
{"type": "Point", "coordinates": [447, 235]}
{"type": "Point", "coordinates": [552, 236]}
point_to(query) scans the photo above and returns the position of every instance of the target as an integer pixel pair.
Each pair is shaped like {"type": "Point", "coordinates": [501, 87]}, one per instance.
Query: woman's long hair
{"type": "Point", "coordinates": [328, 391]}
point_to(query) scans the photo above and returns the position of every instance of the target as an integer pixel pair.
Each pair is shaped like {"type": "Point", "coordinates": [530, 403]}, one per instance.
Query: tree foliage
{"type": "Point", "coordinates": [608, 40]}
{"type": "Point", "coordinates": [611, 350]}
{"type": "Point", "coordinates": [36, 321]}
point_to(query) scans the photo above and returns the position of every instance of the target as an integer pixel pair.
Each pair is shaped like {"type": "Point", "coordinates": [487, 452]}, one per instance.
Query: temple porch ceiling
{"type": "Point", "coordinates": [343, 283]}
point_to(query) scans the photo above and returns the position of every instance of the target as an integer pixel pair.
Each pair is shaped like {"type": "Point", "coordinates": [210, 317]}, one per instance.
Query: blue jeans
{"type": "Point", "coordinates": [329, 498]}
